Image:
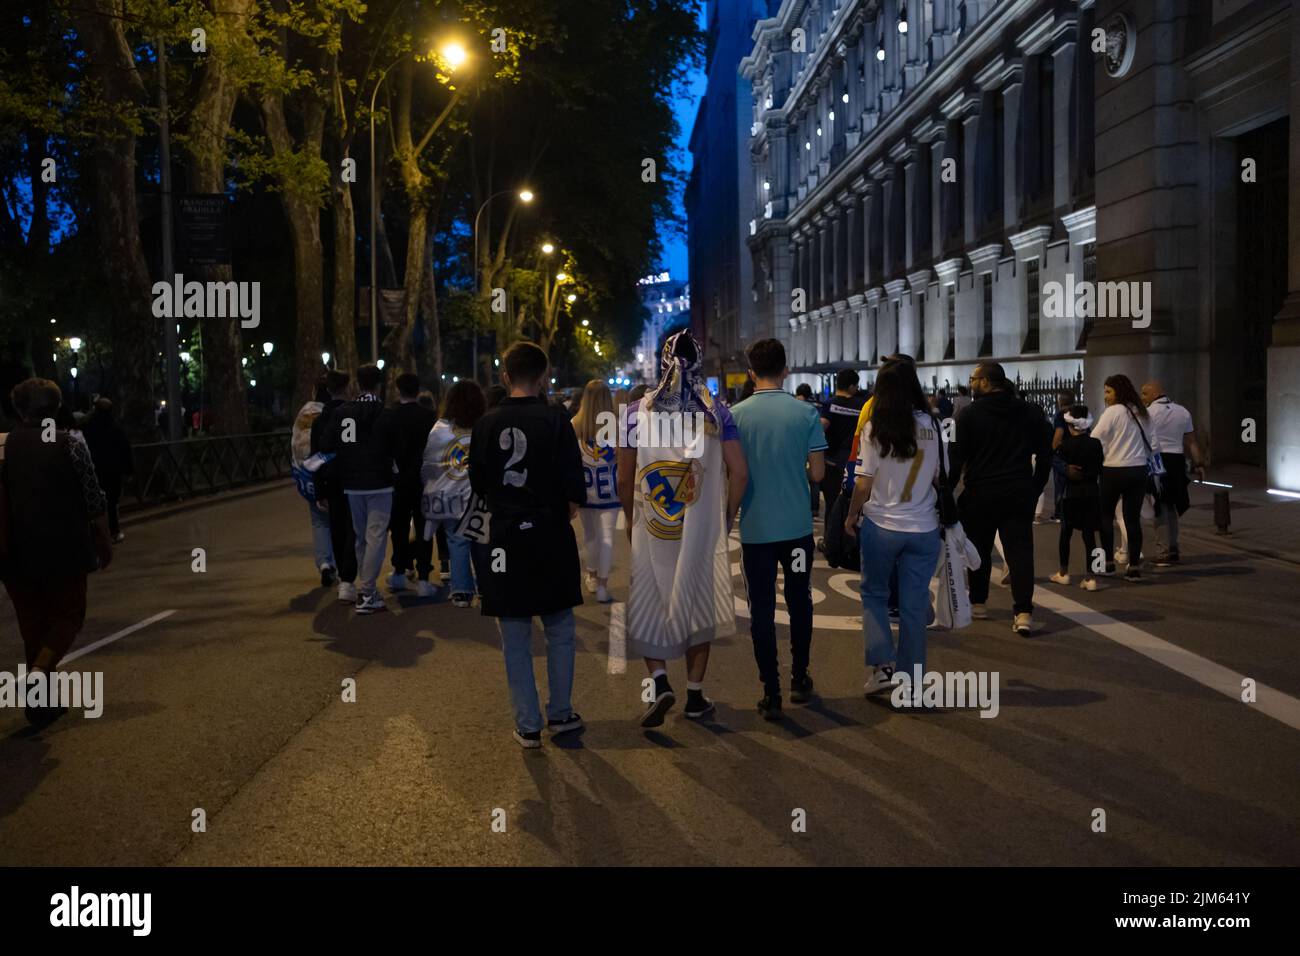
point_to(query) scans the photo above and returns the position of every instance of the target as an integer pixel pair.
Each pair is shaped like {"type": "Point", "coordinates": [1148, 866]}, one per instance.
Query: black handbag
{"type": "Point", "coordinates": [842, 550]}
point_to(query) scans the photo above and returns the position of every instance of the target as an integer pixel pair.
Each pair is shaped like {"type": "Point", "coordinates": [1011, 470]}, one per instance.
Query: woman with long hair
{"type": "Point", "coordinates": [445, 472]}
{"type": "Point", "coordinates": [1126, 437]}
{"type": "Point", "coordinates": [595, 425]}
{"type": "Point", "coordinates": [894, 513]}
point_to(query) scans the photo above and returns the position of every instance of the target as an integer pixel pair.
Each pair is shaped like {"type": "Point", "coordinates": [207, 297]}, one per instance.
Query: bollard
{"type": "Point", "coordinates": [1222, 512]}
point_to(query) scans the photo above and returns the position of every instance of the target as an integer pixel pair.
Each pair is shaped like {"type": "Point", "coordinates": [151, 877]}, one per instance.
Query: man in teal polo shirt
{"type": "Point", "coordinates": [785, 446]}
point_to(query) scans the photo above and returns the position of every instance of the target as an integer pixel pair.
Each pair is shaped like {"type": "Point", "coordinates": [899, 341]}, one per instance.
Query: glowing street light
{"type": "Point", "coordinates": [548, 248]}
{"type": "Point", "coordinates": [571, 298]}
{"type": "Point", "coordinates": [185, 357]}
{"type": "Point", "coordinates": [325, 358]}
{"type": "Point", "coordinates": [74, 343]}
{"type": "Point", "coordinates": [380, 365]}
{"type": "Point", "coordinates": [586, 323]}
{"type": "Point", "coordinates": [525, 195]}
{"type": "Point", "coordinates": [454, 55]}
{"type": "Point", "coordinates": [268, 348]}
{"type": "Point", "coordinates": [560, 277]}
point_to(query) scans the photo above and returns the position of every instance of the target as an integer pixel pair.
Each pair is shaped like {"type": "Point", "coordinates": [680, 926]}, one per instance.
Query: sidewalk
{"type": "Point", "coordinates": [1261, 523]}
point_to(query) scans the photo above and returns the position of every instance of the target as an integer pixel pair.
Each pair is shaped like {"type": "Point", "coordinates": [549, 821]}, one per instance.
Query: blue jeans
{"type": "Point", "coordinates": [517, 645]}
{"type": "Point", "coordinates": [462, 569]}
{"type": "Point", "coordinates": [915, 556]}
{"type": "Point", "coordinates": [320, 536]}
{"type": "Point", "coordinates": [370, 516]}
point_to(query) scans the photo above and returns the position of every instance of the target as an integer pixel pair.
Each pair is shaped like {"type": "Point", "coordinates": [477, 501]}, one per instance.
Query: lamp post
{"type": "Point", "coordinates": [525, 196]}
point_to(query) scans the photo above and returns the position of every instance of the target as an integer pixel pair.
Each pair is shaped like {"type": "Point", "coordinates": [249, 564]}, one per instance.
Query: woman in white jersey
{"type": "Point", "coordinates": [682, 476]}
{"type": "Point", "coordinates": [595, 426]}
{"type": "Point", "coordinates": [1127, 438]}
{"type": "Point", "coordinates": [894, 499]}
{"type": "Point", "coordinates": [445, 473]}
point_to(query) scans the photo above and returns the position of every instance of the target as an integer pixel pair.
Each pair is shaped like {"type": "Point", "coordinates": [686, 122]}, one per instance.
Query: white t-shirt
{"type": "Point", "coordinates": [902, 492]}
{"type": "Point", "coordinates": [1120, 437]}
{"type": "Point", "coordinates": [1171, 422]}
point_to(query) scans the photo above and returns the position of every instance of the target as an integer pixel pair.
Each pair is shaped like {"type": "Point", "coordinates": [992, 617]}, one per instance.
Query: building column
{"type": "Point", "coordinates": [906, 154]}
{"type": "Point", "coordinates": [1012, 84]}
{"type": "Point", "coordinates": [970, 119]}
{"type": "Point", "coordinates": [832, 213]}
{"type": "Point", "coordinates": [849, 204]}
{"type": "Point", "coordinates": [1064, 160]}
{"type": "Point", "coordinates": [884, 173]}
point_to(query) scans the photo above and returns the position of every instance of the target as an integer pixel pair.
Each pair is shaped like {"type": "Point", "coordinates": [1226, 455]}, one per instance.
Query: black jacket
{"type": "Point", "coordinates": [996, 437]}
{"type": "Point", "coordinates": [414, 422]}
{"type": "Point", "coordinates": [525, 464]}
{"type": "Point", "coordinates": [365, 462]}
{"type": "Point", "coordinates": [1086, 452]}
{"type": "Point", "coordinates": [110, 448]}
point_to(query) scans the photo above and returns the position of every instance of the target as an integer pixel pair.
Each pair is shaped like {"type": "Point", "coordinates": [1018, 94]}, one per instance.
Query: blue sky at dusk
{"type": "Point", "coordinates": [674, 257]}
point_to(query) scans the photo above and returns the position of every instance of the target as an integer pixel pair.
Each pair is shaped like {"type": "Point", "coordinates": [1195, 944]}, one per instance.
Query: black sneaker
{"type": "Point", "coordinates": [565, 724]}
{"type": "Point", "coordinates": [529, 741]}
{"type": "Point", "coordinates": [801, 689]}
{"type": "Point", "coordinates": [1132, 574]}
{"type": "Point", "coordinates": [654, 715]}
{"type": "Point", "coordinates": [770, 707]}
{"type": "Point", "coordinates": [462, 599]}
{"type": "Point", "coordinates": [1168, 560]}
{"type": "Point", "coordinates": [697, 705]}
{"type": "Point", "coordinates": [42, 717]}
{"type": "Point", "coordinates": [327, 576]}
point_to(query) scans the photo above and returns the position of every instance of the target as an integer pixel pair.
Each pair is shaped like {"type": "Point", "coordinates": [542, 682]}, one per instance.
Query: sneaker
{"type": "Point", "coordinates": [602, 595]}
{"type": "Point", "coordinates": [462, 599]}
{"type": "Point", "coordinates": [1089, 584]}
{"type": "Point", "coordinates": [327, 576]}
{"type": "Point", "coordinates": [589, 582]}
{"type": "Point", "coordinates": [370, 603]}
{"type": "Point", "coordinates": [530, 740]}
{"type": "Point", "coordinates": [893, 615]}
{"type": "Point", "coordinates": [1168, 560]}
{"type": "Point", "coordinates": [697, 705]}
{"type": "Point", "coordinates": [979, 612]}
{"type": "Point", "coordinates": [1133, 574]}
{"type": "Point", "coordinates": [879, 679]}
{"type": "Point", "coordinates": [654, 714]}
{"type": "Point", "coordinates": [1024, 625]}
{"type": "Point", "coordinates": [1121, 556]}
{"type": "Point", "coordinates": [119, 538]}
{"type": "Point", "coordinates": [801, 689]}
{"type": "Point", "coordinates": [347, 592]}
{"type": "Point", "coordinates": [1059, 578]}
{"type": "Point", "coordinates": [565, 724]}
{"type": "Point", "coordinates": [1110, 568]}
{"type": "Point", "coordinates": [770, 707]}
{"type": "Point", "coordinates": [425, 589]}
{"type": "Point", "coordinates": [397, 581]}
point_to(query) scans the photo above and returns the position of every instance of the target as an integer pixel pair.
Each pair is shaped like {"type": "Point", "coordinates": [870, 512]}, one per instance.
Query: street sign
{"type": "Point", "coordinates": [204, 228]}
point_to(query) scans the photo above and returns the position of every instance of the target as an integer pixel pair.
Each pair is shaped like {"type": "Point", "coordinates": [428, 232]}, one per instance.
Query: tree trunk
{"type": "Point", "coordinates": [308, 294]}
{"type": "Point", "coordinates": [111, 167]}
{"type": "Point", "coordinates": [396, 346]}
{"type": "Point", "coordinates": [345, 279]}
{"type": "Point", "coordinates": [429, 291]}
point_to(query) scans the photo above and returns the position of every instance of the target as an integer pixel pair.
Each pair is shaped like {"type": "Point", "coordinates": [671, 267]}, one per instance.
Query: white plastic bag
{"type": "Point", "coordinates": [951, 599]}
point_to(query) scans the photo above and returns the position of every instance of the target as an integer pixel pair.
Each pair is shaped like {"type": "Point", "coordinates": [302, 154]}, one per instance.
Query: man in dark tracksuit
{"type": "Point", "coordinates": [1003, 454]}
{"type": "Point", "coordinates": [342, 539]}
{"type": "Point", "coordinates": [414, 422]}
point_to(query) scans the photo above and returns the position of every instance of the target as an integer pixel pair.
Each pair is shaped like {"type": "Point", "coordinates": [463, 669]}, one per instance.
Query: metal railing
{"type": "Point", "coordinates": [172, 470]}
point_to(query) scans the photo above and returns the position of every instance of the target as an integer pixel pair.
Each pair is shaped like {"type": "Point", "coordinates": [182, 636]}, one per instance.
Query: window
{"type": "Point", "coordinates": [986, 340]}
{"type": "Point", "coordinates": [875, 333]}
{"type": "Point", "coordinates": [1032, 307]}
{"type": "Point", "coordinates": [1089, 251]}
{"type": "Point", "coordinates": [919, 310]}
{"type": "Point", "coordinates": [951, 348]}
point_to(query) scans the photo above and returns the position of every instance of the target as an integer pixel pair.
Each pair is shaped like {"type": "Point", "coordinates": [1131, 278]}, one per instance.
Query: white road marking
{"type": "Point", "coordinates": [82, 652]}
{"type": "Point", "coordinates": [1268, 700]}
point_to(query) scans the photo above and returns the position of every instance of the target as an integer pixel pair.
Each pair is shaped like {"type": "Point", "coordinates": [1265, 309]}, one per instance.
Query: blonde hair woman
{"type": "Point", "coordinates": [600, 512]}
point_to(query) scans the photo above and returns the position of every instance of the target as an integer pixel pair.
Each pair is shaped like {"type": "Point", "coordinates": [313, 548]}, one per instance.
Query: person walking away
{"type": "Point", "coordinates": [594, 424]}
{"type": "Point", "coordinates": [680, 492]}
{"type": "Point", "coordinates": [894, 513]}
{"type": "Point", "coordinates": [527, 469]}
{"type": "Point", "coordinates": [1124, 430]}
{"type": "Point", "coordinates": [803, 393]}
{"type": "Point", "coordinates": [110, 450]}
{"type": "Point", "coordinates": [784, 448]}
{"type": "Point", "coordinates": [343, 542]}
{"type": "Point", "coordinates": [961, 401]}
{"type": "Point", "coordinates": [57, 532]}
{"type": "Point", "coordinates": [445, 473]}
{"type": "Point", "coordinates": [1060, 430]}
{"type": "Point", "coordinates": [414, 422]}
{"type": "Point", "coordinates": [363, 435]}
{"type": "Point", "coordinates": [1081, 456]}
{"type": "Point", "coordinates": [317, 511]}
{"type": "Point", "coordinates": [839, 417]}
{"type": "Point", "coordinates": [1177, 439]}
{"type": "Point", "coordinates": [1003, 454]}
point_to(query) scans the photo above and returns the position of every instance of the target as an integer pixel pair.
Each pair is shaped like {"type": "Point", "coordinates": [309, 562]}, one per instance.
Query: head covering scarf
{"type": "Point", "coordinates": [681, 387]}
{"type": "Point", "coordinates": [1083, 424]}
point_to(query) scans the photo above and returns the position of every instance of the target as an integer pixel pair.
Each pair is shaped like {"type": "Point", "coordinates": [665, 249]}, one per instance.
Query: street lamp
{"type": "Point", "coordinates": [525, 196]}
{"type": "Point", "coordinates": [268, 348]}
{"type": "Point", "coordinates": [571, 298]}
{"type": "Point", "coordinates": [74, 343]}
{"type": "Point", "coordinates": [547, 248]}
{"type": "Point", "coordinates": [325, 358]}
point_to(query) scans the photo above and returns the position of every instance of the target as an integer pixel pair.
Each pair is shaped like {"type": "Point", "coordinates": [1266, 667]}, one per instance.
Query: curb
{"type": "Point", "coordinates": [1229, 541]}
{"type": "Point", "coordinates": [147, 514]}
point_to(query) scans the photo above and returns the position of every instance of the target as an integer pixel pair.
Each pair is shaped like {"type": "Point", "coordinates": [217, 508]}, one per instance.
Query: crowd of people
{"type": "Point", "coordinates": [501, 481]}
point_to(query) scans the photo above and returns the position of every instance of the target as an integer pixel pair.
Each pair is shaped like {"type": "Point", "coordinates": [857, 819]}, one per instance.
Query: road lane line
{"type": "Point", "coordinates": [82, 652]}
{"type": "Point", "coordinates": [1268, 700]}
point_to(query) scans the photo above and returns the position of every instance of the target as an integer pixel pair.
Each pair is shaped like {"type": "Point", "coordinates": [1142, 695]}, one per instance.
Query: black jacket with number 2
{"type": "Point", "coordinates": [525, 464]}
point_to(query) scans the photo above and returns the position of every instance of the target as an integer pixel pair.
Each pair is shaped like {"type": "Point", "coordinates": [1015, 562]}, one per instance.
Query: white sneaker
{"type": "Point", "coordinates": [347, 593]}
{"type": "Point", "coordinates": [1089, 584]}
{"type": "Point", "coordinates": [1121, 556]}
{"type": "Point", "coordinates": [425, 589]}
{"type": "Point", "coordinates": [119, 538]}
{"type": "Point", "coordinates": [397, 581]}
{"type": "Point", "coordinates": [880, 679]}
{"type": "Point", "coordinates": [602, 594]}
{"type": "Point", "coordinates": [1059, 578]}
{"type": "Point", "coordinates": [1024, 625]}
{"type": "Point", "coordinates": [979, 612]}
{"type": "Point", "coordinates": [370, 603]}
{"type": "Point", "coordinates": [589, 582]}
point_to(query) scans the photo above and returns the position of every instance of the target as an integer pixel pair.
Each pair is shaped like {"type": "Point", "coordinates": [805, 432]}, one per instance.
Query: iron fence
{"type": "Point", "coordinates": [172, 470]}
{"type": "Point", "coordinates": [1043, 391]}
